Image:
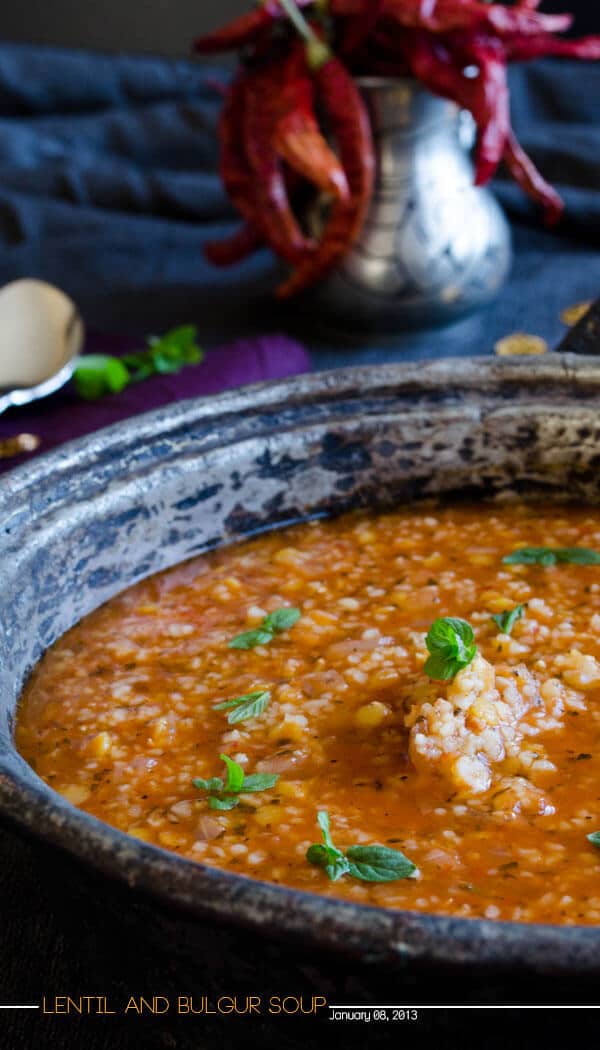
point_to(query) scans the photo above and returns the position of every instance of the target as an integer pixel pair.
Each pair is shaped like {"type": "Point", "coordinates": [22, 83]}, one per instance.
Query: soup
{"type": "Point", "coordinates": [402, 680]}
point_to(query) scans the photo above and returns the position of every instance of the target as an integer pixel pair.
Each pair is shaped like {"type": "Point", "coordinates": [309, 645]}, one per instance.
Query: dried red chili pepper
{"type": "Point", "coordinates": [247, 239]}
{"type": "Point", "coordinates": [237, 34]}
{"type": "Point", "coordinates": [525, 173]}
{"type": "Point", "coordinates": [491, 112]}
{"type": "Point", "coordinates": [275, 216]}
{"type": "Point", "coordinates": [523, 48]}
{"type": "Point", "coordinates": [299, 141]}
{"type": "Point", "coordinates": [269, 119]}
{"type": "Point", "coordinates": [439, 64]}
{"type": "Point", "coordinates": [233, 164]}
{"type": "Point", "coordinates": [487, 95]}
{"type": "Point", "coordinates": [524, 21]}
{"type": "Point", "coordinates": [243, 242]}
{"type": "Point", "coordinates": [447, 15]}
{"type": "Point", "coordinates": [350, 126]}
{"type": "Point", "coordinates": [355, 32]}
{"type": "Point", "coordinates": [433, 64]}
{"type": "Point", "coordinates": [377, 53]}
{"type": "Point", "coordinates": [441, 16]}
{"type": "Point", "coordinates": [274, 220]}
{"type": "Point", "coordinates": [297, 136]}
{"type": "Point", "coordinates": [243, 30]}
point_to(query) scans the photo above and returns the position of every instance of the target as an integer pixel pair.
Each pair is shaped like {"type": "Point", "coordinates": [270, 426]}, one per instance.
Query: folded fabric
{"type": "Point", "coordinates": [65, 415]}
{"type": "Point", "coordinates": [121, 151]}
{"type": "Point", "coordinates": [108, 188]}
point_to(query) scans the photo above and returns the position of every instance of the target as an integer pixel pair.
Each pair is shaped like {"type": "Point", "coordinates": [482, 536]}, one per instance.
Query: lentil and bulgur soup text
{"type": "Point", "coordinates": [401, 709]}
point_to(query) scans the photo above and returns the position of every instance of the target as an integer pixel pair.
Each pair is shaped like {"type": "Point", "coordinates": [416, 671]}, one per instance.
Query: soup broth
{"type": "Point", "coordinates": [487, 780]}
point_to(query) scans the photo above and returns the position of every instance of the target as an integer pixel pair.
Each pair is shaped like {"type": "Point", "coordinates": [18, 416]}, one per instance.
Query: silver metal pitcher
{"type": "Point", "coordinates": [434, 246]}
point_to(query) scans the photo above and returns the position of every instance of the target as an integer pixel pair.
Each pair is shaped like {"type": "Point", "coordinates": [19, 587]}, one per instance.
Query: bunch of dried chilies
{"type": "Point", "coordinates": [294, 122]}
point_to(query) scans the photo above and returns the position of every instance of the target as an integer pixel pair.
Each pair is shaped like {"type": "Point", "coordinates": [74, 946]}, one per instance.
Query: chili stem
{"type": "Point", "coordinates": [317, 51]}
{"type": "Point", "coordinates": [298, 20]}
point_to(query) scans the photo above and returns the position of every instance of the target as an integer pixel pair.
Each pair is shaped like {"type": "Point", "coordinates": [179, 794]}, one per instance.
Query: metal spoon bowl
{"type": "Point", "coordinates": [41, 334]}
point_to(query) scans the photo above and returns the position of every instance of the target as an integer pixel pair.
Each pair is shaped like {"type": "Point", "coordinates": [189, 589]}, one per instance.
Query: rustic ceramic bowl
{"type": "Point", "coordinates": [90, 519]}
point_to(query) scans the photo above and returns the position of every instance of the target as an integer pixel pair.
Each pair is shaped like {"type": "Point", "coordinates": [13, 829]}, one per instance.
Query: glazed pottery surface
{"type": "Point", "coordinates": [88, 520]}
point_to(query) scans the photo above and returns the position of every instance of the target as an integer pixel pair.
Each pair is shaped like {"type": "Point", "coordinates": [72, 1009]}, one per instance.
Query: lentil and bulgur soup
{"type": "Point", "coordinates": [400, 709]}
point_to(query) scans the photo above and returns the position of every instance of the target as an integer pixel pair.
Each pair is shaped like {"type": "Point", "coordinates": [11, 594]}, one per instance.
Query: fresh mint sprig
{"type": "Point", "coordinates": [451, 646]}
{"type": "Point", "coordinates": [98, 374]}
{"type": "Point", "coordinates": [276, 622]}
{"type": "Point", "coordinates": [367, 863]}
{"type": "Point", "coordinates": [225, 794]}
{"type": "Point", "coordinates": [326, 855]}
{"type": "Point", "coordinates": [546, 556]}
{"type": "Point", "coordinates": [242, 708]}
{"type": "Point", "coordinates": [505, 621]}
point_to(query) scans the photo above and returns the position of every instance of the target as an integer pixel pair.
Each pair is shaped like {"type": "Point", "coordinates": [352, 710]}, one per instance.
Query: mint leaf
{"type": "Point", "coordinates": [505, 621]}
{"type": "Point", "coordinates": [250, 705]}
{"type": "Point", "coordinates": [441, 668]}
{"type": "Point", "coordinates": [449, 631]}
{"type": "Point", "coordinates": [140, 366]}
{"type": "Point", "coordinates": [531, 556]}
{"type": "Point", "coordinates": [546, 556]}
{"type": "Point", "coordinates": [166, 354]}
{"type": "Point", "coordinates": [594, 838]}
{"type": "Point", "coordinates": [323, 822]}
{"type": "Point", "coordinates": [226, 795]}
{"type": "Point", "coordinates": [259, 782]}
{"type": "Point", "coordinates": [115, 375]}
{"type": "Point", "coordinates": [281, 619]}
{"type": "Point", "coordinates": [330, 860]}
{"type": "Point", "coordinates": [235, 775]}
{"type": "Point", "coordinates": [379, 864]}
{"type": "Point", "coordinates": [577, 556]}
{"type": "Point", "coordinates": [98, 374]}
{"type": "Point", "coordinates": [250, 639]}
{"type": "Point", "coordinates": [273, 623]}
{"type": "Point", "coordinates": [214, 784]}
{"type": "Point", "coordinates": [327, 856]}
{"type": "Point", "coordinates": [178, 345]}
{"type": "Point", "coordinates": [223, 803]}
{"type": "Point", "coordinates": [451, 645]}
{"type": "Point", "coordinates": [367, 863]}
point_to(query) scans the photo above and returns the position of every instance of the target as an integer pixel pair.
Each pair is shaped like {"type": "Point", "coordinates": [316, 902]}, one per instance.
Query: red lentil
{"type": "Point", "coordinates": [119, 715]}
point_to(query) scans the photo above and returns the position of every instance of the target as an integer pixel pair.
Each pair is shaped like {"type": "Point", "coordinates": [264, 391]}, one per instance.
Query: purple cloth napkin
{"type": "Point", "coordinates": [64, 415]}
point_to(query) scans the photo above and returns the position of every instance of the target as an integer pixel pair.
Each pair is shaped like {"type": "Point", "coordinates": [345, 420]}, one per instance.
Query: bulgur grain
{"type": "Point", "coordinates": [125, 744]}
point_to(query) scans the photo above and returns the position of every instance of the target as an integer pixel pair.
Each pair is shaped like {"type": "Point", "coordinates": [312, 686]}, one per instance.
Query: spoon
{"type": "Point", "coordinates": [41, 334]}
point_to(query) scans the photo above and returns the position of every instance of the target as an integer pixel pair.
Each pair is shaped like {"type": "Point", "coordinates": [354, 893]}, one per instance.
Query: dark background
{"type": "Point", "coordinates": [161, 26]}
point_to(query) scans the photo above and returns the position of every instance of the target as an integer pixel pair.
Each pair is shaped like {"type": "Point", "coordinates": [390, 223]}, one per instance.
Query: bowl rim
{"type": "Point", "coordinates": [368, 933]}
